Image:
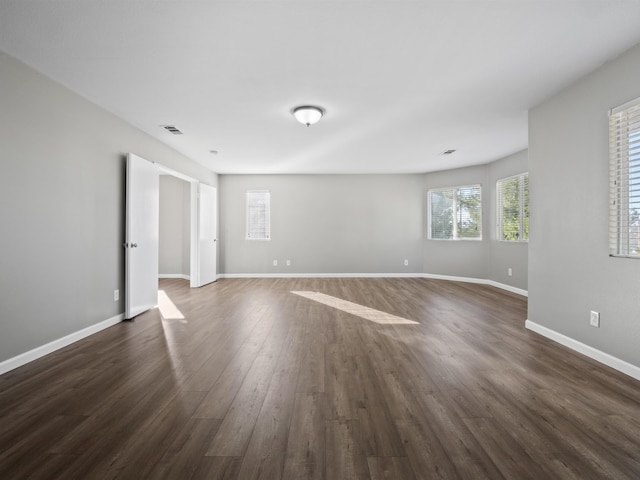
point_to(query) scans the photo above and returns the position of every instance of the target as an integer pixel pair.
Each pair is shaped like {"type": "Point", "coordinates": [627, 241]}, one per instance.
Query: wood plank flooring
{"type": "Point", "coordinates": [255, 382]}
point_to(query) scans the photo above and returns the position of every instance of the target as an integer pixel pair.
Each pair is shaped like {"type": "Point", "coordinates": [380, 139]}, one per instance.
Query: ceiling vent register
{"type": "Point", "coordinates": [172, 129]}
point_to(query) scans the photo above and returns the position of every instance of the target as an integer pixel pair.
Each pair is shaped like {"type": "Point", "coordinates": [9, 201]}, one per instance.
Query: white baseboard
{"type": "Point", "coordinates": [51, 347]}
{"type": "Point", "coordinates": [509, 288]}
{"type": "Point", "coordinates": [594, 353]}
{"type": "Point", "coordinates": [451, 278]}
{"type": "Point", "coordinates": [482, 281]}
{"type": "Point", "coordinates": [174, 275]}
{"type": "Point", "coordinates": [320, 275]}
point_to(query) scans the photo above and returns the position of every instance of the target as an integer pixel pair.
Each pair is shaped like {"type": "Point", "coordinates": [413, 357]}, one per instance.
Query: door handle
{"type": "Point", "coordinates": [134, 245]}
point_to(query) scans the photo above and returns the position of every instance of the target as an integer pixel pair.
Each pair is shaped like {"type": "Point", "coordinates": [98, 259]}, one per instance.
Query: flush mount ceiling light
{"type": "Point", "coordinates": [308, 114]}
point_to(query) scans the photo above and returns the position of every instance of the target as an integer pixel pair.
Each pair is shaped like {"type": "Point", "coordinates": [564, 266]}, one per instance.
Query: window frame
{"type": "Point", "coordinates": [455, 191]}
{"type": "Point", "coordinates": [624, 180]}
{"type": "Point", "coordinates": [523, 205]}
{"type": "Point", "coordinates": [266, 196]}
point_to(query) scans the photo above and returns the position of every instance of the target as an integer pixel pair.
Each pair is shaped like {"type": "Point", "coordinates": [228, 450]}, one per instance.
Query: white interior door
{"type": "Point", "coordinates": [205, 236]}
{"type": "Point", "coordinates": [142, 235]}
{"type": "Point", "coordinates": [208, 239]}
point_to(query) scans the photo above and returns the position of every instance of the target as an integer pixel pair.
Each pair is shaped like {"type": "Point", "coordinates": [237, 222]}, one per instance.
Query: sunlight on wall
{"type": "Point", "coordinates": [353, 308]}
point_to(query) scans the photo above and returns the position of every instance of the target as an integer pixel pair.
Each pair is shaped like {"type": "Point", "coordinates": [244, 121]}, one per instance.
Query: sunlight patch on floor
{"type": "Point", "coordinates": [167, 308]}
{"type": "Point", "coordinates": [361, 311]}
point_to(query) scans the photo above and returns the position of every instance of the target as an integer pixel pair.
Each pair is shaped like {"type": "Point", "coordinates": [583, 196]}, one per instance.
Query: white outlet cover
{"type": "Point", "coordinates": [594, 319]}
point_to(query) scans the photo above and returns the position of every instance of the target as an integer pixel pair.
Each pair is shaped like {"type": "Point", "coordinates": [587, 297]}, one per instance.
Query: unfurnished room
{"type": "Point", "coordinates": [320, 239]}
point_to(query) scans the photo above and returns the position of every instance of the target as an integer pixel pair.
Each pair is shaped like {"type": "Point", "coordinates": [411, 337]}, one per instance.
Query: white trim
{"type": "Point", "coordinates": [320, 275]}
{"type": "Point", "coordinates": [174, 275]}
{"type": "Point", "coordinates": [194, 261]}
{"type": "Point", "coordinates": [481, 281]}
{"type": "Point", "coordinates": [508, 288]}
{"type": "Point", "coordinates": [51, 347]}
{"type": "Point", "coordinates": [174, 173]}
{"type": "Point", "coordinates": [455, 279]}
{"type": "Point", "coordinates": [594, 353]}
{"type": "Point", "coordinates": [624, 106]}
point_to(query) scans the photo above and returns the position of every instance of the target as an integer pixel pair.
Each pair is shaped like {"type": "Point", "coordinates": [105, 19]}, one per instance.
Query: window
{"type": "Point", "coordinates": [512, 200]}
{"type": "Point", "coordinates": [624, 183]}
{"type": "Point", "coordinates": [455, 213]}
{"type": "Point", "coordinates": [258, 215]}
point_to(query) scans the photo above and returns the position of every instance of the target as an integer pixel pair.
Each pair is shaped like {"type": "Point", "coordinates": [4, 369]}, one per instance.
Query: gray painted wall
{"type": "Point", "coordinates": [570, 272]}
{"type": "Point", "coordinates": [489, 258]}
{"type": "Point", "coordinates": [175, 226]}
{"type": "Point", "coordinates": [62, 207]}
{"type": "Point", "coordinates": [365, 224]}
{"type": "Point", "coordinates": [505, 255]}
{"type": "Point", "coordinates": [460, 258]}
{"type": "Point", "coordinates": [325, 224]}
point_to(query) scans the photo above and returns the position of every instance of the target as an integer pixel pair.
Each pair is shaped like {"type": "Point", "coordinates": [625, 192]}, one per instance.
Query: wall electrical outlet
{"type": "Point", "coordinates": [509, 271]}
{"type": "Point", "coordinates": [275, 263]}
{"type": "Point", "coordinates": [116, 295]}
{"type": "Point", "coordinates": [288, 263]}
{"type": "Point", "coordinates": [594, 319]}
{"type": "Point", "coordinates": [406, 263]}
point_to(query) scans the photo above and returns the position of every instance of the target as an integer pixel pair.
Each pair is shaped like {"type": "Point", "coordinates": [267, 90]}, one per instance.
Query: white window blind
{"type": "Point", "coordinates": [512, 195]}
{"type": "Point", "coordinates": [455, 213]}
{"type": "Point", "coordinates": [258, 215]}
{"type": "Point", "coordinates": [624, 183]}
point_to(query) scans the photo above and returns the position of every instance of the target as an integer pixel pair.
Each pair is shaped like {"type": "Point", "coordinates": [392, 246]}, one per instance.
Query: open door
{"type": "Point", "coordinates": [204, 235]}
{"type": "Point", "coordinates": [141, 238]}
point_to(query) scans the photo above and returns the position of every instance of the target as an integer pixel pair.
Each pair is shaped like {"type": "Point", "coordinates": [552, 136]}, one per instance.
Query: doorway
{"type": "Point", "coordinates": [174, 240]}
{"type": "Point", "coordinates": [142, 240]}
{"type": "Point", "coordinates": [188, 215]}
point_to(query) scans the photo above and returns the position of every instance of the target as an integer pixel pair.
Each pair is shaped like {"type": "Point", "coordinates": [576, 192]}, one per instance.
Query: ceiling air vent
{"type": "Point", "coordinates": [448, 152]}
{"type": "Point", "coordinates": [172, 129]}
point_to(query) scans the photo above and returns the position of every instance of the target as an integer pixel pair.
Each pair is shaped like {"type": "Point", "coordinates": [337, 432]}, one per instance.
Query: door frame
{"type": "Point", "coordinates": [194, 264]}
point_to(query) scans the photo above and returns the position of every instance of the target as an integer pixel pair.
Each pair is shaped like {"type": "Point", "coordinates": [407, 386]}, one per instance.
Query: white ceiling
{"type": "Point", "coordinates": [401, 80]}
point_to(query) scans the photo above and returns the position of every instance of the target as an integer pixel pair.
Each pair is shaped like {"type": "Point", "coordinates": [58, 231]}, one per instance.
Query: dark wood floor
{"type": "Point", "coordinates": [259, 382]}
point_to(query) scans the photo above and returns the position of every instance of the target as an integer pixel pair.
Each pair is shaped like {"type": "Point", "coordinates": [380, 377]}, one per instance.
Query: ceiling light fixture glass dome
{"type": "Point", "coordinates": [308, 114]}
